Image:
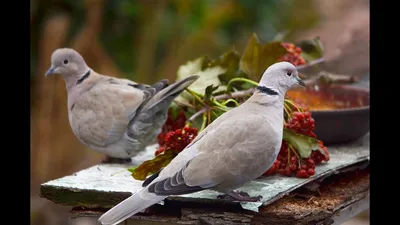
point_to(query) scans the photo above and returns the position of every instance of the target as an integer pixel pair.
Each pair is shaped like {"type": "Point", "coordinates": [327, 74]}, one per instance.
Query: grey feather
{"type": "Point", "coordinates": [174, 185]}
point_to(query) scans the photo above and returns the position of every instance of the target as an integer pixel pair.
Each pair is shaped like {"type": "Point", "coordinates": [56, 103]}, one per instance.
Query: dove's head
{"type": "Point", "coordinates": [67, 62]}
{"type": "Point", "coordinates": [280, 77]}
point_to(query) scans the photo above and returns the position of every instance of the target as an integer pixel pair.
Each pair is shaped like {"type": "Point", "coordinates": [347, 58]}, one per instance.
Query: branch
{"type": "Point", "coordinates": [197, 114]}
{"type": "Point", "coordinates": [237, 94]}
{"type": "Point", "coordinates": [312, 63]}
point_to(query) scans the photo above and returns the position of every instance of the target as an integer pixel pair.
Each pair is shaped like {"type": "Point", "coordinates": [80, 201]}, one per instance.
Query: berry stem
{"type": "Point", "coordinates": [294, 151]}
{"type": "Point", "coordinates": [291, 103]}
{"type": "Point", "coordinates": [288, 114]}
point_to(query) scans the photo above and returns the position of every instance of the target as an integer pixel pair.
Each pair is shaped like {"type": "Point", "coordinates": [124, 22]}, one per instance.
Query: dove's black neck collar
{"type": "Point", "coordinates": [84, 77]}
{"type": "Point", "coordinates": [266, 90]}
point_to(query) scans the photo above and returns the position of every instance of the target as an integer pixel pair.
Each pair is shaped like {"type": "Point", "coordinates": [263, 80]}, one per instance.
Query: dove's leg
{"type": "Point", "coordinates": [111, 160]}
{"type": "Point", "coordinates": [239, 196]}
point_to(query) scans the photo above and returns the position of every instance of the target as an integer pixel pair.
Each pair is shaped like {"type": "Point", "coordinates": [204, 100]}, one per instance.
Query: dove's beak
{"type": "Point", "coordinates": [50, 71]}
{"type": "Point", "coordinates": [301, 82]}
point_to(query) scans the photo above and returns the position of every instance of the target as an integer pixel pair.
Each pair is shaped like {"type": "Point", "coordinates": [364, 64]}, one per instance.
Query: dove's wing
{"type": "Point", "coordinates": [236, 148]}
{"type": "Point", "coordinates": [101, 114]}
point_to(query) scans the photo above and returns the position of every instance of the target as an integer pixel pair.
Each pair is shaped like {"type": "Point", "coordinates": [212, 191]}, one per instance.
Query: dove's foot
{"type": "Point", "coordinates": [239, 196]}
{"type": "Point", "coordinates": [111, 160]}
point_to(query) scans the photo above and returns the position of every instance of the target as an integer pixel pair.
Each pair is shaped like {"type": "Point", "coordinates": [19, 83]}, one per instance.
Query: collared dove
{"type": "Point", "coordinates": [237, 147]}
{"type": "Point", "coordinates": [117, 117]}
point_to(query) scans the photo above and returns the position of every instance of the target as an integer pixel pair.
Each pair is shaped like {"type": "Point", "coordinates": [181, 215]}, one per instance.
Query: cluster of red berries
{"type": "Point", "coordinates": [302, 123]}
{"type": "Point", "coordinates": [175, 135]}
{"type": "Point", "coordinates": [288, 161]}
{"type": "Point", "coordinates": [293, 54]}
{"type": "Point", "coordinates": [171, 124]}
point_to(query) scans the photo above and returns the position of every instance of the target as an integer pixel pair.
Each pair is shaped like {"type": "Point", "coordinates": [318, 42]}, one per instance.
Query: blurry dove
{"type": "Point", "coordinates": [239, 146]}
{"type": "Point", "coordinates": [113, 116]}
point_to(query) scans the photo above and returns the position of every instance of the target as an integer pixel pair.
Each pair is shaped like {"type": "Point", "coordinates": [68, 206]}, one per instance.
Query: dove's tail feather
{"type": "Point", "coordinates": [172, 90]}
{"type": "Point", "coordinates": [130, 207]}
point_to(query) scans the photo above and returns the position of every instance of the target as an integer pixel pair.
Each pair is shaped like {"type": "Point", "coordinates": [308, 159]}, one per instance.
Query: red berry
{"type": "Point", "coordinates": [299, 115]}
{"type": "Point", "coordinates": [294, 160]}
{"type": "Point", "coordinates": [302, 61]}
{"type": "Point", "coordinates": [301, 173]}
{"type": "Point", "coordinates": [293, 167]}
{"type": "Point", "coordinates": [307, 114]}
{"type": "Point", "coordinates": [277, 163]}
{"type": "Point", "coordinates": [288, 173]}
{"type": "Point", "coordinates": [303, 167]}
{"type": "Point", "coordinates": [310, 163]}
{"type": "Point", "coordinates": [298, 50]}
{"type": "Point", "coordinates": [159, 151]}
{"type": "Point", "coordinates": [311, 171]}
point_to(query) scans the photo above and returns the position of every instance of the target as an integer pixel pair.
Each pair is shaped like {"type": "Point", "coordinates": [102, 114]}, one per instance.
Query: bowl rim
{"type": "Point", "coordinates": [345, 110]}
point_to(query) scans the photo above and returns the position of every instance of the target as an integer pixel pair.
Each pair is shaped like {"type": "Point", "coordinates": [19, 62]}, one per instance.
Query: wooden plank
{"type": "Point", "coordinates": [106, 185]}
{"type": "Point", "coordinates": [337, 195]}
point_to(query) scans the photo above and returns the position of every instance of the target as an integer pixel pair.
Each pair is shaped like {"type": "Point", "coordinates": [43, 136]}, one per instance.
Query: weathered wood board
{"type": "Point", "coordinates": [105, 185]}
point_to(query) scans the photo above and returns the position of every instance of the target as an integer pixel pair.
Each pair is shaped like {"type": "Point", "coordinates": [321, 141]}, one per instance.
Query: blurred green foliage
{"type": "Point", "coordinates": [141, 35]}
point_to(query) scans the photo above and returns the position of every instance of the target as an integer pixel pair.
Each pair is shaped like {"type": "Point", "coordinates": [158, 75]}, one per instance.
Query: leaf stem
{"type": "Point", "coordinates": [196, 96]}
{"type": "Point", "coordinates": [184, 104]}
{"type": "Point", "coordinates": [220, 105]}
{"type": "Point", "coordinates": [231, 100]}
{"type": "Point", "coordinates": [240, 79]}
{"type": "Point", "coordinates": [203, 125]}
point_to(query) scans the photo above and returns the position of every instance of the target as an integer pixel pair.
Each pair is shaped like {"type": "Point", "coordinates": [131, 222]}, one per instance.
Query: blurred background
{"type": "Point", "coordinates": [147, 40]}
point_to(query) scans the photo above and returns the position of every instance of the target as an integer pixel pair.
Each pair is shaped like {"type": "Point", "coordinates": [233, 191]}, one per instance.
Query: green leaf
{"type": "Point", "coordinates": [152, 166]}
{"type": "Point", "coordinates": [209, 91]}
{"type": "Point", "coordinates": [311, 49]}
{"type": "Point", "coordinates": [303, 144]}
{"type": "Point", "coordinates": [256, 58]}
{"type": "Point", "coordinates": [208, 74]}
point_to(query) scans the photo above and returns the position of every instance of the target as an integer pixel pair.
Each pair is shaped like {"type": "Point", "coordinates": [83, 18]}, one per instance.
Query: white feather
{"type": "Point", "coordinates": [129, 207]}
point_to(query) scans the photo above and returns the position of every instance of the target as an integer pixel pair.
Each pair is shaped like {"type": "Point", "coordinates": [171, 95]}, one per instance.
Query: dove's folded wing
{"type": "Point", "coordinates": [211, 156]}
{"type": "Point", "coordinates": [101, 114]}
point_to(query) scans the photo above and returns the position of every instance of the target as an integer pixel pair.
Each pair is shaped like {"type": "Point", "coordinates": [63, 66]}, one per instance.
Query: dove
{"type": "Point", "coordinates": [236, 148]}
{"type": "Point", "coordinates": [116, 117]}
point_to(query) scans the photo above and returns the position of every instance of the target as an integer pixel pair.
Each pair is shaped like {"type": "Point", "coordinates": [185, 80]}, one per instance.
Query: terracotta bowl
{"type": "Point", "coordinates": [333, 126]}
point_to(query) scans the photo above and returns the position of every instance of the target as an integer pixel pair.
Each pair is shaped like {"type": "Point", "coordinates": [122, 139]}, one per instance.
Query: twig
{"type": "Point", "coordinates": [184, 104]}
{"type": "Point", "coordinates": [236, 94]}
{"type": "Point", "coordinates": [312, 63]}
{"type": "Point", "coordinates": [197, 114]}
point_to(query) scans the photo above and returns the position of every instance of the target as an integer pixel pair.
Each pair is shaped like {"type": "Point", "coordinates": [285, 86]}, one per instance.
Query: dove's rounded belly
{"type": "Point", "coordinates": [247, 167]}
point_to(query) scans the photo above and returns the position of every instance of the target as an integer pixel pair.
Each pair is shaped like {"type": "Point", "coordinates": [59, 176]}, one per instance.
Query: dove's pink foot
{"type": "Point", "coordinates": [111, 160]}
{"type": "Point", "coordinates": [239, 196]}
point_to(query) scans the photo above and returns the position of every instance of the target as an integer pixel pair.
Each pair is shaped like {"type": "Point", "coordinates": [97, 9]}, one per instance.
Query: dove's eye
{"type": "Point", "coordinates": [66, 61]}
{"type": "Point", "coordinates": [289, 73]}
